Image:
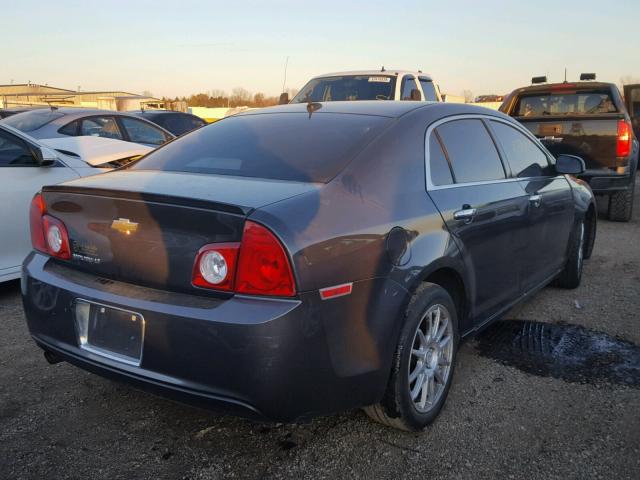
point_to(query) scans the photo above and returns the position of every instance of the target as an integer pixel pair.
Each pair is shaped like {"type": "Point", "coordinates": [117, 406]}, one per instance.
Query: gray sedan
{"type": "Point", "coordinates": [62, 122]}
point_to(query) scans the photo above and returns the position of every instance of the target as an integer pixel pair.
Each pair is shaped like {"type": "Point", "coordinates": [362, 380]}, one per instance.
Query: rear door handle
{"type": "Point", "coordinates": [535, 200]}
{"type": "Point", "coordinates": [551, 139]}
{"type": "Point", "coordinates": [466, 214]}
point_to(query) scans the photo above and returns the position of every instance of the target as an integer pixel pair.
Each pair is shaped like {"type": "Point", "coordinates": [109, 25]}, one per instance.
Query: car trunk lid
{"type": "Point", "coordinates": [147, 227]}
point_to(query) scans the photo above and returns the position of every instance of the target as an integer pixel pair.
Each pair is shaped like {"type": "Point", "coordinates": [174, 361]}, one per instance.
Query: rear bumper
{"type": "Point", "coordinates": [278, 359]}
{"type": "Point", "coordinates": [604, 182]}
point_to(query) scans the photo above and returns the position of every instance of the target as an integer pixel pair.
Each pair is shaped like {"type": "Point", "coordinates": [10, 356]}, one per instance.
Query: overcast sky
{"type": "Point", "coordinates": [180, 47]}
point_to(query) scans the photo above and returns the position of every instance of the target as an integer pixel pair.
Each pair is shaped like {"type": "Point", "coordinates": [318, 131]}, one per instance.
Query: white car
{"type": "Point", "coordinates": [27, 164]}
{"type": "Point", "coordinates": [369, 85]}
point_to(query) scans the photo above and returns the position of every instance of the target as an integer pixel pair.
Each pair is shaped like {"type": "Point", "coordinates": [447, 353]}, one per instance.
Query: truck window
{"type": "Point", "coordinates": [408, 84]}
{"type": "Point", "coordinates": [429, 90]}
{"type": "Point", "coordinates": [347, 87]}
{"type": "Point", "coordinates": [586, 102]}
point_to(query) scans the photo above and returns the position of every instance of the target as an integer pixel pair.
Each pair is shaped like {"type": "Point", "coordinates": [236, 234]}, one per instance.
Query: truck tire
{"type": "Point", "coordinates": [621, 204]}
{"type": "Point", "coordinates": [423, 362]}
{"type": "Point", "coordinates": [572, 273]}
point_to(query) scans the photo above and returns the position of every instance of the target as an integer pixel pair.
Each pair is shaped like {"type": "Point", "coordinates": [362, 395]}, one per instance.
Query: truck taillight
{"type": "Point", "coordinates": [48, 234]}
{"type": "Point", "coordinates": [623, 144]}
{"type": "Point", "coordinates": [258, 265]}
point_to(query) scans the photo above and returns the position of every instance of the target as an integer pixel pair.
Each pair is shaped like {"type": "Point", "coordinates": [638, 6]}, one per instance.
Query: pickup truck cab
{"type": "Point", "coordinates": [588, 119]}
{"type": "Point", "coordinates": [369, 85]}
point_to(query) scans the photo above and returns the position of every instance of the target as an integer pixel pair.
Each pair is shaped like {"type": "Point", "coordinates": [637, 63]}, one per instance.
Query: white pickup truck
{"type": "Point", "coordinates": [368, 85]}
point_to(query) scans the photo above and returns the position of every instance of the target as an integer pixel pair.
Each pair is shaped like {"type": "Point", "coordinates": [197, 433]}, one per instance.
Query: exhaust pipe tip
{"type": "Point", "coordinates": [52, 358]}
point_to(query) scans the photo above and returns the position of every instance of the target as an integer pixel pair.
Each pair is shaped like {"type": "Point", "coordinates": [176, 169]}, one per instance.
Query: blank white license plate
{"type": "Point", "coordinates": [108, 331]}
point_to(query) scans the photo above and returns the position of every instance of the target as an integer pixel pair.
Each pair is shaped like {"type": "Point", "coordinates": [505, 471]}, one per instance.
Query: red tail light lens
{"type": "Point", "coordinates": [215, 266]}
{"type": "Point", "coordinates": [257, 266]}
{"type": "Point", "coordinates": [48, 234]}
{"type": "Point", "coordinates": [263, 267]}
{"type": "Point", "coordinates": [623, 145]}
{"type": "Point", "coordinates": [36, 212]}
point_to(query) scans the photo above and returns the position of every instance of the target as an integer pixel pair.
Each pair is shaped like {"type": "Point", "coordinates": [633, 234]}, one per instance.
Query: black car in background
{"type": "Point", "coordinates": [177, 123]}
{"type": "Point", "coordinates": [305, 259]}
{"type": "Point", "coordinates": [588, 119]}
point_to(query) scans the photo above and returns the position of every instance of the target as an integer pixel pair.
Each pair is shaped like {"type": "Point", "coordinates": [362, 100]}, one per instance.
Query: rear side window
{"type": "Point", "coordinates": [524, 156]}
{"type": "Point", "coordinates": [471, 151]}
{"type": "Point", "coordinates": [30, 121]}
{"type": "Point", "coordinates": [69, 129]}
{"type": "Point", "coordinates": [177, 123]}
{"type": "Point", "coordinates": [105, 127]}
{"type": "Point", "coordinates": [283, 146]}
{"type": "Point", "coordinates": [142, 132]}
{"type": "Point", "coordinates": [438, 164]}
{"type": "Point", "coordinates": [586, 102]}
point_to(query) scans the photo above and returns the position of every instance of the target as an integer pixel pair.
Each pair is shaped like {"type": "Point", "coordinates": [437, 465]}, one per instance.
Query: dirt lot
{"type": "Point", "coordinates": [528, 401]}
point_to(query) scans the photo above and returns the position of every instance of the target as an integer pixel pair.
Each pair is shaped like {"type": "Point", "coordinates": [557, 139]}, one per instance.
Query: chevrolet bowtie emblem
{"type": "Point", "coordinates": [124, 225]}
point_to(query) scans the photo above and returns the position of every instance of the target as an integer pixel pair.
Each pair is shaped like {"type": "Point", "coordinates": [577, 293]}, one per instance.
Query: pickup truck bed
{"type": "Point", "coordinates": [589, 120]}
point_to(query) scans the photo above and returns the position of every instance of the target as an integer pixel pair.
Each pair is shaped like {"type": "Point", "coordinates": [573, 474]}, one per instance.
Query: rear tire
{"type": "Point", "coordinates": [621, 204]}
{"type": "Point", "coordinates": [423, 363]}
{"type": "Point", "coordinates": [572, 273]}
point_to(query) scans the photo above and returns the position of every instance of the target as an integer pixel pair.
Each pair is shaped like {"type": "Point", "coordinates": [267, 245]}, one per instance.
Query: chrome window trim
{"type": "Point", "coordinates": [477, 116]}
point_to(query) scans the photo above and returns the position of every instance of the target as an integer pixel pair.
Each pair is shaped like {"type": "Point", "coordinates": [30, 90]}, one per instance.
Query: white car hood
{"type": "Point", "coordinates": [96, 150]}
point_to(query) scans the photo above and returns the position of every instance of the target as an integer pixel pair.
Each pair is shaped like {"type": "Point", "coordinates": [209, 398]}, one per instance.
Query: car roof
{"type": "Point", "coordinates": [157, 112]}
{"type": "Point", "coordinates": [377, 72]}
{"type": "Point", "coordinates": [381, 108]}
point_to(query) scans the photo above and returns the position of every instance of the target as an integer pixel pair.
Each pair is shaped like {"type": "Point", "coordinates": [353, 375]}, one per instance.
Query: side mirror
{"type": "Point", "coordinates": [284, 99]}
{"type": "Point", "coordinates": [44, 156]}
{"type": "Point", "coordinates": [570, 165]}
{"type": "Point", "coordinates": [415, 95]}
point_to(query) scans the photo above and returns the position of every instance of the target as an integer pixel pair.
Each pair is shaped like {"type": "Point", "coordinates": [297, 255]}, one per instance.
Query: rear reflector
{"type": "Point", "coordinates": [623, 145]}
{"type": "Point", "coordinates": [336, 291]}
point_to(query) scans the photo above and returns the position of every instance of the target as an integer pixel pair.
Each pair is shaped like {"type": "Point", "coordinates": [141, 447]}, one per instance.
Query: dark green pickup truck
{"type": "Point", "coordinates": [588, 119]}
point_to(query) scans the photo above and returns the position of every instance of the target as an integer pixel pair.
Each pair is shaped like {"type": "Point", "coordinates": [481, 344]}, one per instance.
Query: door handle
{"type": "Point", "coordinates": [466, 214]}
{"type": "Point", "coordinates": [551, 139]}
{"type": "Point", "coordinates": [535, 200]}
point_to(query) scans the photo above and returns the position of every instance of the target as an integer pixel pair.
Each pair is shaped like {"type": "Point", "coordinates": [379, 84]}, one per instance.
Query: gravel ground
{"type": "Point", "coordinates": [59, 422]}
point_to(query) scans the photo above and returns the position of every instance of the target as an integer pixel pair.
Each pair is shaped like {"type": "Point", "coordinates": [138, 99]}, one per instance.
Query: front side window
{"type": "Point", "coordinates": [408, 87]}
{"type": "Point", "coordinates": [472, 153]}
{"type": "Point", "coordinates": [106, 127]}
{"type": "Point", "coordinates": [142, 132]}
{"type": "Point", "coordinates": [14, 152]}
{"type": "Point", "coordinates": [429, 90]}
{"type": "Point", "coordinates": [524, 156]}
{"type": "Point", "coordinates": [347, 88]}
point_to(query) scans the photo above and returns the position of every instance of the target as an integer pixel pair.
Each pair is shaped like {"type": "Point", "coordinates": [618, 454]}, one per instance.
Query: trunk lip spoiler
{"type": "Point", "coordinates": [153, 198]}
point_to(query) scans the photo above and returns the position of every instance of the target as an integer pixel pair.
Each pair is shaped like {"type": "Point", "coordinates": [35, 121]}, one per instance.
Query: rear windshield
{"type": "Point", "coordinates": [566, 103]}
{"type": "Point", "coordinates": [347, 87]}
{"type": "Point", "coordinates": [33, 120]}
{"type": "Point", "coordinates": [282, 146]}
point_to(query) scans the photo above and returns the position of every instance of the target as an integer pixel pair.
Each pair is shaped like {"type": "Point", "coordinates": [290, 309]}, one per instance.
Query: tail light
{"type": "Point", "coordinates": [258, 265]}
{"type": "Point", "coordinates": [48, 234]}
{"type": "Point", "coordinates": [623, 145]}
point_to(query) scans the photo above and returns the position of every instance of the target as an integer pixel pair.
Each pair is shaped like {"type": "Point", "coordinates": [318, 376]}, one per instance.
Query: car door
{"type": "Point", "coordinates": [632, 101]}
{"type": "Point", "coordinates": [484, 210]}
{"type": "Point", "coordinates": [22, 178]}
{"type": "Point", "coordinates": [550, 208]}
